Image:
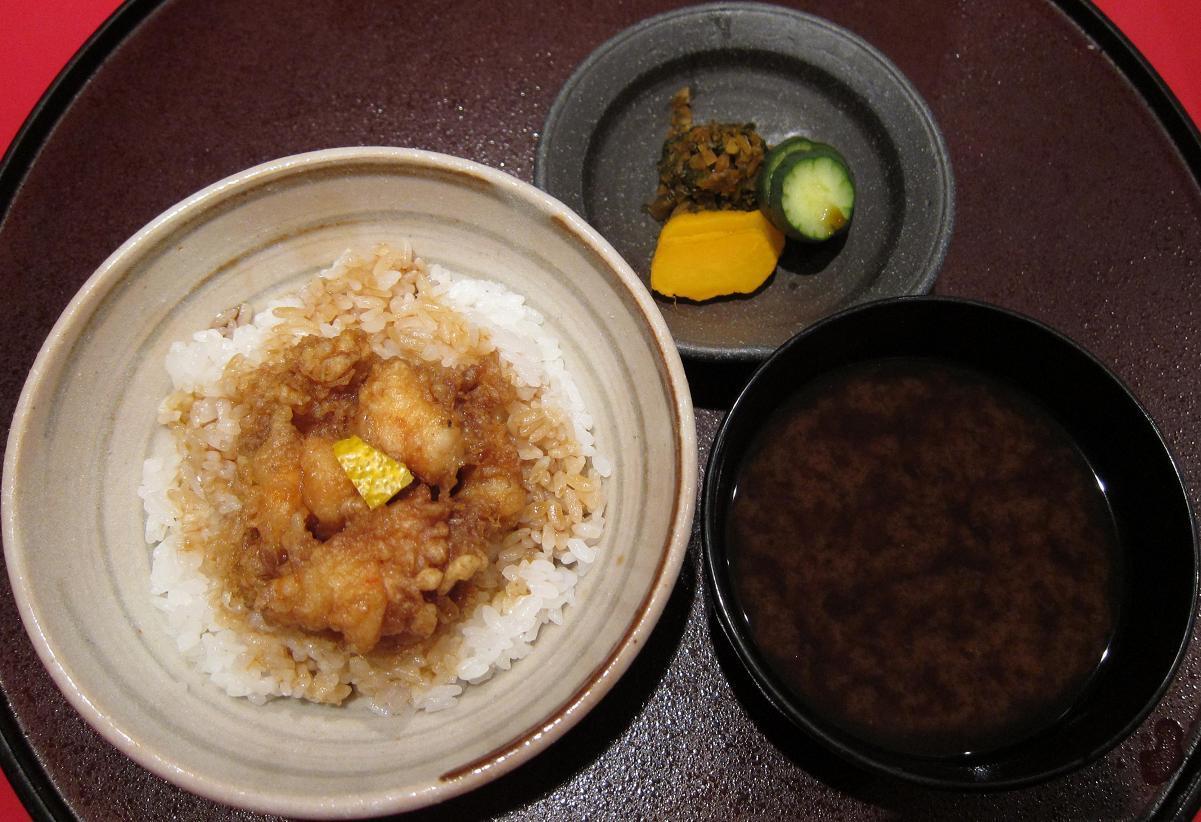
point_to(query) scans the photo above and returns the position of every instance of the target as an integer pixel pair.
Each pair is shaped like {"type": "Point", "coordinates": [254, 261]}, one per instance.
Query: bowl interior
{"type": "Point", "coordinates": [87, 421]}
{"type": "Point", "coordinates": [1155, 528]}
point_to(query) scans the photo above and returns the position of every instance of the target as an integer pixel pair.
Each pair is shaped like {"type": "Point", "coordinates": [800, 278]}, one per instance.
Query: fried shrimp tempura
{"type": "Point", "coordinates": [312, 554]}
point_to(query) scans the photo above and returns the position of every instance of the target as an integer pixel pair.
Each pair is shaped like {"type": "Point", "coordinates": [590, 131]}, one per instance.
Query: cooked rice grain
{"type": "Point", "coordinates": [403, 305]}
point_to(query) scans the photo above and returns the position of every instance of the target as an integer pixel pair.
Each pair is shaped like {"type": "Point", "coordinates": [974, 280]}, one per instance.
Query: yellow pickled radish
{"type": "Point", "coordinates": [707, 254]}
{"type": "Point", "coordinates": [376, 476]}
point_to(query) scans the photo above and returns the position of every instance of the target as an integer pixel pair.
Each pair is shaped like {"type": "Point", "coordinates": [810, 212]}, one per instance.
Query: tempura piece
{"type": "Point", "coordinates": [405, 412]}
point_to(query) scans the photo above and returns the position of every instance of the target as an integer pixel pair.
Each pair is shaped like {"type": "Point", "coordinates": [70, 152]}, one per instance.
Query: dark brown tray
{"type": "Point", "coordinates": [1078, 203]}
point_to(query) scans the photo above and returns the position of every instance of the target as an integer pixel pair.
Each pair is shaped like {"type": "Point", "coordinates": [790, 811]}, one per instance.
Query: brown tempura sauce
{"type": "Point", "coordinates": [304, 551]}
{"type": "Point", "coordinates": [924, 557]}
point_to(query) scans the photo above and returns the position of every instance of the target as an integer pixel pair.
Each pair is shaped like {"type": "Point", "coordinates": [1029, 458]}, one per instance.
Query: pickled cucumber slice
{"type": "Point", "coordinates": [812, 194]}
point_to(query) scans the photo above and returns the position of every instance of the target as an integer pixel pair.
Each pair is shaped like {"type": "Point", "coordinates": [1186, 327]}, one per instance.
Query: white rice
{"type": "Point", "coordinates": [259, 663]}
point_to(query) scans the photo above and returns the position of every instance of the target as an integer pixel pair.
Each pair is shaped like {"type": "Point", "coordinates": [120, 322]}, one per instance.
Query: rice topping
{"type": "Point", "coordinates": [274, 575]}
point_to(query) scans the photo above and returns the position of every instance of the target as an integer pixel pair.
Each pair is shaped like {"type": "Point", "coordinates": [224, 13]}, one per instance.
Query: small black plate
{"type": "Point", "coordinates": [789, 73]}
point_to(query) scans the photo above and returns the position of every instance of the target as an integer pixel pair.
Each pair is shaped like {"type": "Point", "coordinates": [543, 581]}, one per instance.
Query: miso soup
{"type": "Point", "coordinates": [924, 557]}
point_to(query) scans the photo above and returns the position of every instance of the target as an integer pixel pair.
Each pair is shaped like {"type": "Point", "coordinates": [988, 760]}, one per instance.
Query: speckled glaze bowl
{"type": "Point", "coordinates": [73, 526]}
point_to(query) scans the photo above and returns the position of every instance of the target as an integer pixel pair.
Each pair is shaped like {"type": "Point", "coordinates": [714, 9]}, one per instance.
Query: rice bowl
{"type": "Point", "coordinates": [194, 490]}
{"type": "Point", "coordinates": [83, 430]}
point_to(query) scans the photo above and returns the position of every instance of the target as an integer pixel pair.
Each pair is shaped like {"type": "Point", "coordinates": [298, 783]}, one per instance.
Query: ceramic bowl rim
{"type": "Point", "coordinates": [524, 744]}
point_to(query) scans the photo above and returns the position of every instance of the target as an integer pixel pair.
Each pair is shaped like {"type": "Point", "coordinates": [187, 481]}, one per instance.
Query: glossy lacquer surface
{"type": "Point", "coordinates": [1011, 533]}
{"type": "Point", "coordinates": [1073, 205]}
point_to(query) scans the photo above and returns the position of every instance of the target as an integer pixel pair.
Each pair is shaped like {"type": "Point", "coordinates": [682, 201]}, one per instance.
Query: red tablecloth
{"type": "Point", "coordinates": [37, 39]}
